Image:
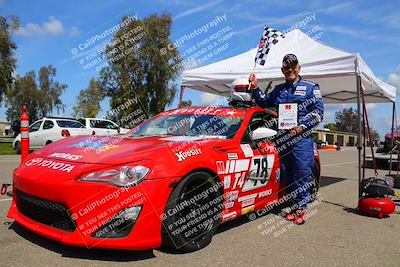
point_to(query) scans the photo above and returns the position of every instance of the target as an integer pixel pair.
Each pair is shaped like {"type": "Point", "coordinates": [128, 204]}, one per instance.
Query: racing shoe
{"type": "Point", "coordinates": [299, 217]}
{"type": "Point", "coordinates": [290, 216]}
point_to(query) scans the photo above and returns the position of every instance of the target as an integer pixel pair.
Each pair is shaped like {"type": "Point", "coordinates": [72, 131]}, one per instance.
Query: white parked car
{"type": "Point", "coordinates": [102, 127]}
{"type": "Point", "coordinates": [50, 129]}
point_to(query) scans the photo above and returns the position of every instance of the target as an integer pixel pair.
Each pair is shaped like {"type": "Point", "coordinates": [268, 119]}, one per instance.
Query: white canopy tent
{"type": "Point", "coordinates": [334, 70]}
{"type": "Point", "coordinates": [340, 75]}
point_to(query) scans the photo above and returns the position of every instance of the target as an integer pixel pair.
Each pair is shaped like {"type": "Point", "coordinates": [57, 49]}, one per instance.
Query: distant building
{"type": "Point", "coordinates": [335, 137]}
{"type": "Point", "coordinates": [5, 128]}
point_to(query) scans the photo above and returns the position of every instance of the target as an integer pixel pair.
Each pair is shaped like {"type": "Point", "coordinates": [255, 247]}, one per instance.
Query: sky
{"type": "Point", "coordinates": [67, 34]}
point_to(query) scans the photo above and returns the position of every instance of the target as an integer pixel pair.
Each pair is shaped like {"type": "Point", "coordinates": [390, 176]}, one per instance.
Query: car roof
{"type": "Point", "coordinates": [99, 119]}
{"type": "Point", "coordinates": [59, 118]}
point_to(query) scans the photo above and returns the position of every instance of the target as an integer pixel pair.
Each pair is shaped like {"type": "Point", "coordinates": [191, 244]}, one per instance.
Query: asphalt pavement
{"type": "Point", "coordinates": [334, 234]}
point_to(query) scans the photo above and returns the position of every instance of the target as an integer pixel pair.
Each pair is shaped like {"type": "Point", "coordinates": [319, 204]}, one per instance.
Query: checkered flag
{"type": "Point", "coordinates": [269, 38]}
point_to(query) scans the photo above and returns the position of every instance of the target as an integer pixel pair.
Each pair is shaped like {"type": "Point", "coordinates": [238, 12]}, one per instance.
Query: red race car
{"type": "Point", "coordinates": [172, 180]}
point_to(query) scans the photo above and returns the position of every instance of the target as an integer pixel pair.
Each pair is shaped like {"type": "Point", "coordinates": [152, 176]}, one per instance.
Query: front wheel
{"type": "Point", "coordinates": [316, 175]}
{"type": "Point", "coordinates": [192, 213]}
{"type": "Point", "coordinates": [18, 148]}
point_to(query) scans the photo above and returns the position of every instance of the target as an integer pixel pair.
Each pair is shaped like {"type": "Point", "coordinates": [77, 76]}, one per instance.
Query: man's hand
{"type": "Point", "coordinates": [296, 130]}
{"type": "Point", "coordinates": [253, 81]}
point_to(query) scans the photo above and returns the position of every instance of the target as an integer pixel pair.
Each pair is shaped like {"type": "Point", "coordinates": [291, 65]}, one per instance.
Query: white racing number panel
{"type": "Point", "coordinates": [260, 168]}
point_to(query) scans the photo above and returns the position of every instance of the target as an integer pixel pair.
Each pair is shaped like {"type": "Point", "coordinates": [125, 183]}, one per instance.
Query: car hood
{"type": "Point", "coordinates": [118, 149]}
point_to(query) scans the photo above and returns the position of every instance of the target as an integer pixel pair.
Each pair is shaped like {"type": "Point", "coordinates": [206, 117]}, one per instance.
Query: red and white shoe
{"type": "Point", "coordinates": [299, 217]}
{"type": "Point", "coordinates": [290, 217]}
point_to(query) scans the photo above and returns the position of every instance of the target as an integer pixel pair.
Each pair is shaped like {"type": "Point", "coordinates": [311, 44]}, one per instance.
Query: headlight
{"type": "Point", "coordinates": [121, 176]}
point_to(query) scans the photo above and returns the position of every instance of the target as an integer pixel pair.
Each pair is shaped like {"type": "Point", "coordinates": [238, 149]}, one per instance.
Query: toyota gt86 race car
{"type": "Point", "coordinates": [171, 180]}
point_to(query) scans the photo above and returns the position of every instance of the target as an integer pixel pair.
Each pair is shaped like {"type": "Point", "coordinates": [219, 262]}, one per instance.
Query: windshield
{"type": "Point", "coordinates": [190, 125]}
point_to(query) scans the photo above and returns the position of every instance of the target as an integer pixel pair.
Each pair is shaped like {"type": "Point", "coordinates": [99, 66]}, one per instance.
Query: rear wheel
{"type": "Point", "coordinates": [18, 148]}
{"type": "Point", "coordinates": [316, 175]}
{"type": "Point", "coordinates": [49, 142]}
{"type": "Point", "coordinates": [192, 213]}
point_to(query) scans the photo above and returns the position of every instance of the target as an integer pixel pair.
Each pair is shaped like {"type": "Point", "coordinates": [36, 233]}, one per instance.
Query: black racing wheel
{"type": "Point", "coordinates": [192, 213]}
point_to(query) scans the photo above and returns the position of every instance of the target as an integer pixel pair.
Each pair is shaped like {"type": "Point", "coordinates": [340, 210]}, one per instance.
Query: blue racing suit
{"type": "Point", "coordinates": [296, 153]}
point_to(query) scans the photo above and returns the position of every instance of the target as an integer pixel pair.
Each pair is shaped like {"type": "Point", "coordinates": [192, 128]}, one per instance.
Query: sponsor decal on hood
{"type": "Point", "coordinates": [50, 164]}
{"type": "Point", "coordinates": [182, 155]}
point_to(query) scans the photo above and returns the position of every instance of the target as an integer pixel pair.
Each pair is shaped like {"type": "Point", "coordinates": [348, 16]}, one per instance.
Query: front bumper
{"type": "Point", "coordinates": [91, 205]}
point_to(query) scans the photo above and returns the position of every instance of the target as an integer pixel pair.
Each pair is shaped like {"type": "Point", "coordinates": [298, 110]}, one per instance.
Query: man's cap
{"type": "Point", "coordinates": [289, 60]}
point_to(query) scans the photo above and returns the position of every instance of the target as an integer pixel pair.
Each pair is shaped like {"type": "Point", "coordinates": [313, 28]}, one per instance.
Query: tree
{"type": "Point", "coordinates": [138, 70]}
{"type": "Point", "coordinates": [40, 95]}
{"type": "Point", "coordinates": [24, 92]}
{"type": "Point", "coordinates": [7, 59]}
{"type": "Point", "coordinates": [186, 103]}
{"type": "Point", "coordinates": [89, 99]}
{"type": "Point", "coordinates": [331, 126]}
{"type": "Point", "coordinates": [346, 120]}
{"type": "Point", "coordinates": [374, 135]}
{"type": "Point", "coordinates": [50, 91]}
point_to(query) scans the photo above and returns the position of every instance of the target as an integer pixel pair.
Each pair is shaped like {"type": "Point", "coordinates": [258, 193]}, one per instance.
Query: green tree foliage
{"type": "Point", "coordinates": [187, 103]}
{"type": "Point", "coordinates": [7, 47]}
{"type": "Point", "coordinates": [40, 95]}
{"type": "Point", "coordinates": [50, 91]}
{"type": "Point", "coordinates": [346, 120]}
{"type": "Point", "coordinates": [331, 126]}
{"type": "Point", "coordinates": [375, 135]}
{"type": "Point", "coordinates": [138, 70]}
{"type": "Point", "coordinates": [88, 101]}
{"type": "Point", "coordinates": [24, 92]}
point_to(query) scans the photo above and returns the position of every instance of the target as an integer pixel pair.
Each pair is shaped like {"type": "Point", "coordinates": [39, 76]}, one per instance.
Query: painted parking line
{"type": "Point", "coordinates": [340, 163]}
{"type": "Point", "coordinates": [6, 199]}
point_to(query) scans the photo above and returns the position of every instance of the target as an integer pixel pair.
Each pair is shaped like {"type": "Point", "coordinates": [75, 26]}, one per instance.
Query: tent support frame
{"type": "Point", "coordinates": [181, 96]}
{"type": "Point", "coordinates": [392, 140]}
{"type": "Point", "coordinates": [359, 146]}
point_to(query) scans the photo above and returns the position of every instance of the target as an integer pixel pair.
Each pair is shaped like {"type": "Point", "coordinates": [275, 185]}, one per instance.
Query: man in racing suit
{"type": "Point", "coordinates": [295, 146]}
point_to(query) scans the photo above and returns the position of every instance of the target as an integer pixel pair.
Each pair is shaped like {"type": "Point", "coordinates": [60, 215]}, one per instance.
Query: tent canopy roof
{"type": "Point", "coordinates": [334, 70]}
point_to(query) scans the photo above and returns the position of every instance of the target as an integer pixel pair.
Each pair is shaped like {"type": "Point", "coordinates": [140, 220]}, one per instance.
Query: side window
{"type": "Point", "coordinates": [83, 121]}
{"type": "Point", "coordinates": [110, 125]}
{"type": "Point", "coordinates": [34, 127]}
{"type": "Point", "coordinates": [258, 120]}
{"type": "Point", "coordinates": [97, 124]}
{"type": "Point", "coordinates": [48, 125]}
{"type": "Point", "coordinates": [103, 124]}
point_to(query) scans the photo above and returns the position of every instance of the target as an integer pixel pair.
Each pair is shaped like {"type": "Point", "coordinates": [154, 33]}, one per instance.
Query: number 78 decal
{"type": "Point", "coordinates": [259, 173]}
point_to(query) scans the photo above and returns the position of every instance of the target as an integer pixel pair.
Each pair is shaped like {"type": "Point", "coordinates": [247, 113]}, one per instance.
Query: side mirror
{"type": "Point", "coordinates": [262, 133]}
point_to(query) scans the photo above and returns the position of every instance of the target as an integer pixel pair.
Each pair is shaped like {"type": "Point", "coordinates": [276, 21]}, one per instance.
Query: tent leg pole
{"type": "Point", "coordinates": [392, 139]}
{"type": "Point", "coordinates": [359, 147]}
{"type": "Point", "coordinates": [181, 96]}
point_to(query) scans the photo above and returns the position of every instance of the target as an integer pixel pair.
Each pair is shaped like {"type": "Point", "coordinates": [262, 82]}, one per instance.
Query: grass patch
{"type": "Point", "coordinates": [6, 149]}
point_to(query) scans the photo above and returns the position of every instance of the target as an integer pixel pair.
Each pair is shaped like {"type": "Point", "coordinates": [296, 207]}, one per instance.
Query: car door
{"type": "Point", "coordinates": [103, 127]}
{"type": "Point", "coordinates": [46, 134]}
{"type": "Point", "coordinates": [34, 142]}
{"type": "Point", "coordinates": [112, 128]}
{"type": "Point", "coordinates": [261, 183]}
{"type": "Point", "coordinates": [98, 127]}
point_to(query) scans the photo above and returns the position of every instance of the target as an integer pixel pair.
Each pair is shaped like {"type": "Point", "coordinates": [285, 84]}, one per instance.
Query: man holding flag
{"type": "Point", "coordinates": [297, 158]}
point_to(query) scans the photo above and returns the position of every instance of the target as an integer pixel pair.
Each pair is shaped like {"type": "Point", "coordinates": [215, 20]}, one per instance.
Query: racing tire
{"type": "Point", "coordinates": [316, 175]}
{"type": "Point", "coordinates": [18, 148]}
{"type": "Point", "coordinates": [49, 142]}
{"type": "Point", "coordinates": [191, 216]}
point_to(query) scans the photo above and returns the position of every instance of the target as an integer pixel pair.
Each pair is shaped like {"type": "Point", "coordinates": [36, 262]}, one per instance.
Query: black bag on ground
{"type": "Point", "coordinates": [376, 187]}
